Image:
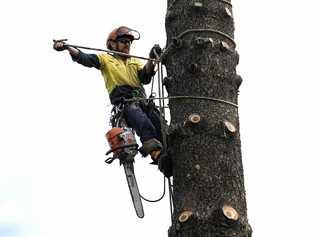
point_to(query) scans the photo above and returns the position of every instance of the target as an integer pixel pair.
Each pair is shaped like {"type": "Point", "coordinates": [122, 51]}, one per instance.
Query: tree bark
{"type": "Point", "coordinates": [201, 60]}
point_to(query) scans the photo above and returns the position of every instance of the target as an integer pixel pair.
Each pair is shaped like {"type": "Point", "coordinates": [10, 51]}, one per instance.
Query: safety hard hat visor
{"type": "Point", "coordinates": [125, 32]}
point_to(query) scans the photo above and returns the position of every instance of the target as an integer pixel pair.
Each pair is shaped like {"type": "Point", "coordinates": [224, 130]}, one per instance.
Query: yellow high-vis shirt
{"type": "Point", "coordinates": [117, 72]}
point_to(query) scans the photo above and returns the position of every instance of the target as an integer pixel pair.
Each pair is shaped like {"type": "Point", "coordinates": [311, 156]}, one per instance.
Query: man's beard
{"type": "Point", "coordinates": [125, 50]}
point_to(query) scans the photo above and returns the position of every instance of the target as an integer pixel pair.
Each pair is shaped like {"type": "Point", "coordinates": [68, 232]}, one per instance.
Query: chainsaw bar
{"type": "Point", "coordinates": [133, 188]}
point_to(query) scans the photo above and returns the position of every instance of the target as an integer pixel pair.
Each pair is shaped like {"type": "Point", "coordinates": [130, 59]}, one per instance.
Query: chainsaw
{"type": "Point", "coordinates": [124, 147]}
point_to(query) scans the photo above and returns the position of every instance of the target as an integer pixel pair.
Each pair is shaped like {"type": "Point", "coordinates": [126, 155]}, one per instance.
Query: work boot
{"type": "Point", "coordinates": [165, 163]}
{"type": "Point", "coordinates": [150, 146]}
{"type": "Point", "coordinates": [155, 155]}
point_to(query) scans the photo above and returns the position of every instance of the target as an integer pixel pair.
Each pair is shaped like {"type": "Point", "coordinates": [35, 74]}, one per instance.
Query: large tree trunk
{"type": "Point", "coordinates": [209, 193]}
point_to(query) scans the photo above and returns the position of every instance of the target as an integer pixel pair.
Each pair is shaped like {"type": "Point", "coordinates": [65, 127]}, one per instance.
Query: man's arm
{"type": "Point", "coordinates": [149, 68]}
{"type": "Point", "coordinates": [88, 60]}
{"type": "Point", "coordinates": [147, 72]}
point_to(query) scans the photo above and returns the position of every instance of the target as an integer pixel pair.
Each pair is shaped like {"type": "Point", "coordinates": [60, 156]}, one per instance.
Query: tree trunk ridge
{"type": "Point", "coordinates": [201, 60]}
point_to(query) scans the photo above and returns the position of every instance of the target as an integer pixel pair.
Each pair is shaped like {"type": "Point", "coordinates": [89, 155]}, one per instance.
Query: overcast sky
{"type": "Point", "coordinates": [54, 113]}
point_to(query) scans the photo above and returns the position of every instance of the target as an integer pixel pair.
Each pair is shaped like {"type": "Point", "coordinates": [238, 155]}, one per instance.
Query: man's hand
{"type": "Point", "coordinates": [155, 52]}
{"type": "Point", "coordinates": [60, 45]}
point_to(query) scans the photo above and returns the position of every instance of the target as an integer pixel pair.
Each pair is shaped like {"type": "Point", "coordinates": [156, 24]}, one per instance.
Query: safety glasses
{"type": "Point", "coordinates": [124, 41]}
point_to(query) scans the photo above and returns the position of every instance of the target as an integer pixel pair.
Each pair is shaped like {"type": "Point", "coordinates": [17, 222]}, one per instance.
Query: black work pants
{"type": "Point", "coordinates": [145, 120]}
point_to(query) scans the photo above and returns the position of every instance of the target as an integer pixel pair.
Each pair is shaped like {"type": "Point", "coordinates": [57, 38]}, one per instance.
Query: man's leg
{"type": "Point", "coordinates": [154, 116]}
{"type": "Point", "coordinates": [137, 119]}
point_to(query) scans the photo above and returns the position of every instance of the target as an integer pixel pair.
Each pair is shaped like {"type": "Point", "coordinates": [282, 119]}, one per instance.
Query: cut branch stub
{"type": "Point", "coordinates": [228, 12]}
{"type": "Point", "coordinates": [238, 80]}
{"type": "Point", "coordinates": [194, 118]}
{"type": "Point", "coordinates": [229, 127]}
{"type": "Point", "coordinates": [225, 45]}
{"type": "Point", "coordinates": [230, 213]}
{"type": "Point", "coordinates": [184, 216]}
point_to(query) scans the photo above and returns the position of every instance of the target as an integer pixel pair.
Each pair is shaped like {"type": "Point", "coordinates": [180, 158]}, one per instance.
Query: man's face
{"type": "Point", "coordinates": [123, 45]}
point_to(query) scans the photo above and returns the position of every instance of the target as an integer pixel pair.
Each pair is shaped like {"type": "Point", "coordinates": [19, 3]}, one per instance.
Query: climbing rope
{"type": "Point", "coordinates": [181, 35]}
{"type": "Point", "coordinates": [161, 98]}
{"type": "Point", "coordinates": [160, 198]}
{"type": "Point", "coordinates": [207, 30]}
{"type": "Point", "coordinates": [224, 1]}
{"type": "Point", "coordinates": [185, 97]}
{"type": "Point", "coordinates": [109, 51]}
{"type": "Point", "coordinates": [227, 2]}
{"type": "Point", "coordinates": [163, 128]}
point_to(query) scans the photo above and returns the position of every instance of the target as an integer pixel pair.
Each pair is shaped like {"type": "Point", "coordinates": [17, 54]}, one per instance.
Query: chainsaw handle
{"type": "Point", "coordinates": [60, 40]}
{"type": "Point", "coordinates": [121, 147]}
{"type": "Point", "coordinates": [109, 160]}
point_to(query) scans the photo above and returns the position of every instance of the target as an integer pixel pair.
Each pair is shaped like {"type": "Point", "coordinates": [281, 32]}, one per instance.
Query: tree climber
{"type": "Point", "coordinates": [123, 77]}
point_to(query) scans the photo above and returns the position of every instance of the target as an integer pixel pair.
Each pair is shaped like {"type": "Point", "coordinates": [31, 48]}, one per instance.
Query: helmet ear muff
{"type": "Point", "coordinates": [110, 44]}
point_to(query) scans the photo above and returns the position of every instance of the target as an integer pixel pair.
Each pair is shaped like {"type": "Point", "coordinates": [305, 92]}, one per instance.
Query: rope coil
{"type": "Point", "coordinates": [182, 34]}
{"type": "Point", "coordinates": [160, 198]}
{"type": "Point", "coordinates": [185, 97]}
{"type": "Point", "coordinates": [207, 30]}
{"type": "Point", "coordinates": [223, 1]}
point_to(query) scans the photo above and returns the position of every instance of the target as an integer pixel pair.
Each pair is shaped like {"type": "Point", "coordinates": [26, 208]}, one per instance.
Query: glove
{"type": "Point", "coordinates": [59, 45]}
{"type": "Point", "coordinates": [156, 48]}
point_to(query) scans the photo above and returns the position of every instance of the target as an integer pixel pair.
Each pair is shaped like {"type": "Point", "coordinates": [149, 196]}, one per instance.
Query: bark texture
{"type": "Point", "coordinates": [208, 181]}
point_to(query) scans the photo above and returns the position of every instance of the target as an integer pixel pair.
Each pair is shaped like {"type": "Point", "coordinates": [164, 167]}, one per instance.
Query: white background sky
{"type": "Point", "coordinates": [54, 113]}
